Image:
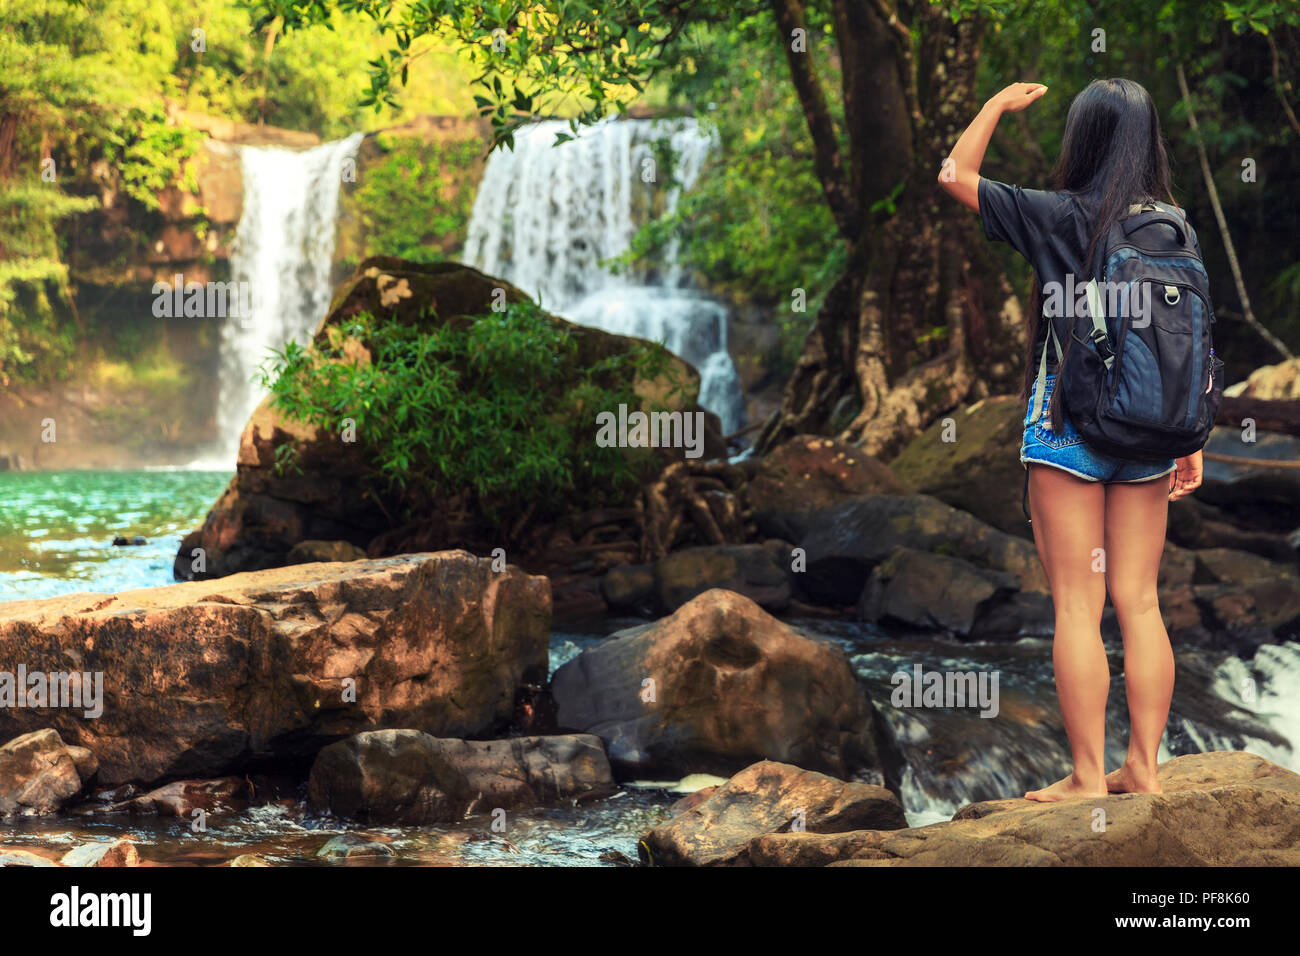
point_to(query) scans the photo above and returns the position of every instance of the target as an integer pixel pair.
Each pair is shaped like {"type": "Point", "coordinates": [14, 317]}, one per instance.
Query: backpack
{"type": "Point", "coordinates": [1140, 381]}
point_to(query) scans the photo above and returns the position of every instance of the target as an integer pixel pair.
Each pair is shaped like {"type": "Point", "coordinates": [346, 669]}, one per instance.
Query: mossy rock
{"type": "Point", "coordinates": [977, 469]}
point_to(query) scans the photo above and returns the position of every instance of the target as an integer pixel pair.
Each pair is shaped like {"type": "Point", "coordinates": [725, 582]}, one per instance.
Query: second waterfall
{"type": "Point", "coordinates": [546, 217]}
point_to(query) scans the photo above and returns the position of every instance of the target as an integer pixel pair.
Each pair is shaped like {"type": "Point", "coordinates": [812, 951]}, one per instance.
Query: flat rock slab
{"type": "Point", "coordinates": [1217, 809]}
{"type": "Point", "coordinates": [200, 678]}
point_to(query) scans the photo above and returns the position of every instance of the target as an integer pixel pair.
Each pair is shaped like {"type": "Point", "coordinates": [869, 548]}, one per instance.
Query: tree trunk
{"type": "Point", "coordinates": [1269, 415]}
{"type": "Point", "coordinates": [922, 318]}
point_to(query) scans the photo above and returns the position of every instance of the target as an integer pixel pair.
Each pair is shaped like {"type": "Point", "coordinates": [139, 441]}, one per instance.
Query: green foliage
{"type": "Point", "coordinates": [34, 342]}
{"type": "Point", "coordinates": [497, 408]}
{"type": "Point", "coordinates": [416, 196]}
{"type": "Point", "coordinates": [586, 60]}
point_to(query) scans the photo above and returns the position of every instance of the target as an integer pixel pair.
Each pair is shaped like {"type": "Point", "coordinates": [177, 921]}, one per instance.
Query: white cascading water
{"type": "Point", "coordinates": [283, 249]}
{"type": "Point", "coordinates": [546, 216]}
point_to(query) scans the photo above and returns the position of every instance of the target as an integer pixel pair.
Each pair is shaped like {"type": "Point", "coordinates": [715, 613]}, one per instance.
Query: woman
{"type": "Point", "coordinates": [1098, 522]}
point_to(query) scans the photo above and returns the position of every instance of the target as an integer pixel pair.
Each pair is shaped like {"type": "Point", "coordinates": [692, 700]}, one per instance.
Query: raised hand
{"type": "Point", "coordinates": [1017, 96]}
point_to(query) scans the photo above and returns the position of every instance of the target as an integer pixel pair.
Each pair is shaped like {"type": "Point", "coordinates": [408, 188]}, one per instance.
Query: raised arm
{"type": "Point", "coordinates": [960, 173]}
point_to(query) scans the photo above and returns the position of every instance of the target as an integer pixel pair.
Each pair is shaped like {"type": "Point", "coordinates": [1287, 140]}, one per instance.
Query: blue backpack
{"type": "Point", "coordinates": [1140, 381]}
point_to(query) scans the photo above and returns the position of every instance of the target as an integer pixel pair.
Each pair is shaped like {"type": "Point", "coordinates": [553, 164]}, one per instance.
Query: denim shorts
{"type": "Point", "coordinates": [1067, 451]}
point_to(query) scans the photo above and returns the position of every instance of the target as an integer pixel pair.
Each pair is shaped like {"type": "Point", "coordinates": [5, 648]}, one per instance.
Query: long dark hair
{"type": "Point", "coordinates": [1112, 155]}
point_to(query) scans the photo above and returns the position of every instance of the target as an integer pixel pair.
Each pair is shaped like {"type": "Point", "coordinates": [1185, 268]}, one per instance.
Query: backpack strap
{"type": "Point", "coordinates": [1040, 386]}
{"type": "Point", "coordinates": [1099, 336]}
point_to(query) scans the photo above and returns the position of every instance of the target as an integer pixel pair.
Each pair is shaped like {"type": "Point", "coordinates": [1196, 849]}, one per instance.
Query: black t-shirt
{"type": "Point", "coordinates": [1050, 229]}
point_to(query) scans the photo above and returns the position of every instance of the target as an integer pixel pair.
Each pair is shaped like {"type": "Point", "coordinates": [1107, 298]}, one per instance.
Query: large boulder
{"type": "Point", "coordinates": [808, 473]}
{"type": "Point", "coordinates": [203, 679]}
{"type": "Point", "coordinates": [265, 511]}
{"type": "Point", "coordinates": [970, 459]}
{"type": "Point", "coordinates": [39, 773]}
{"type": "Point", "coordinates": [408, 777]}
{"type": "Point", "coordinates": [713, 688]}
{"type": "Point", "coordinates": [765, 798]}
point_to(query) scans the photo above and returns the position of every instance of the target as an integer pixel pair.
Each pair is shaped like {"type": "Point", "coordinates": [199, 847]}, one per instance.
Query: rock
{"type": "Point", "coordinates": [762, 799]}
{"type": "Point", "coordinates": [630, 589]}
{"type": "Point", "coordinates": [1278, 381]}
{"type": "Point", "coordinates": [117, 853]}
{"type": "Point", "coordinates": [410, 778]}
{"type": "Point", "coordinates": [181, 798]}
{"type": "Point", "coordinates": [391, 777]}
{"type": "Point", "coordinates": [1226, 566]}
{"type": "Point", "coordinates": [1258, 498]}
{"type": "Point", "coordinates": [202, 678]}
{"type": "Point", "coordinates": [10, 857]}
{"type": "Point", "coordinates": [263, 514]}
{"type": "Point", "coordinates": [519, 772]}
{"type": "Point", "coordinates": [1193, 524]}
{"type": "Point", "coordinates": [1022, 614]}
{"type": "Point", "coordinates": [844, 542]}
{"type": "Point", "coordinates": [713, 688]}
{"type": "Point", "coordinates": [1217, 809]}
{"type": "Point", "coordinates": [748, 569]}
{"type": "Point", "coordinates": [808, 473]}
{"type": "Point", "coordinates": [968, 459]}
{"type": "Point", "coordinates": [651, 590]}
{"type": "Point", "coordinates": [807, 849]}
{"type": "Point", "coordinates": [123, 542]}
{"type": "Point", "coordinates": [85, 761]}
{"type": "Point", "coordinates": [691, 800]}
{"type": "Point", "coordinates": [932, 591]}
{"type": "Point", "coordinates": [307, 552]}
{"type": "Point", "coordinates": [351, 846]}
{"type": "Point", "coordinates": [37, 773]}
{"type": "Point", "coordinates": [1269, 604]}
{"type": "Point", "coordinates": [249, 859]}
{"type": "Point", "coordinates": [1177, 566]}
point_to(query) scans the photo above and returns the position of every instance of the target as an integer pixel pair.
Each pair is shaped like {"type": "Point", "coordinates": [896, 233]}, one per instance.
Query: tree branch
{"type": "Point", "coordinates": [828, 163]}
{"type": "Point", "coordinates": [1213, 192]}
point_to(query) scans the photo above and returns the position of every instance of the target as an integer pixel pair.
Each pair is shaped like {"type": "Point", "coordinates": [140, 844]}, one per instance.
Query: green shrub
{"type": "Point", "coordinates": [418, 196]}
{"type": "Point", "coordinates": [497, 408]}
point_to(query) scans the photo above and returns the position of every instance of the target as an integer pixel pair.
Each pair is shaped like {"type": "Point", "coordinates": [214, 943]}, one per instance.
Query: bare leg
{"type": "Point", "coordinates": [1135, 539]}
{"type": "Point", "coordinates": [1069, 520]}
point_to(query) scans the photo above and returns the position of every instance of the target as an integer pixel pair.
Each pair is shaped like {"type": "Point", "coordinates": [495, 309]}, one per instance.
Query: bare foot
{"type": "Point", "coordinates": [1129, 779]}
{"type": "Point", "coordinates": [1066, 789]}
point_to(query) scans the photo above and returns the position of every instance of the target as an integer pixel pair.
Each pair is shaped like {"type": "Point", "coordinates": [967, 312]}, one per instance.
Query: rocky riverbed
{"type": "Point", "coordinates": [419, 710]}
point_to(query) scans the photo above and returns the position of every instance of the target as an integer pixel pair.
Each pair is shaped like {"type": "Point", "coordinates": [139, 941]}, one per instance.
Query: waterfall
{"type": "Point", "coordinates": [547, 216]}
{"type": "Point", "coordinates": [283, 249]}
